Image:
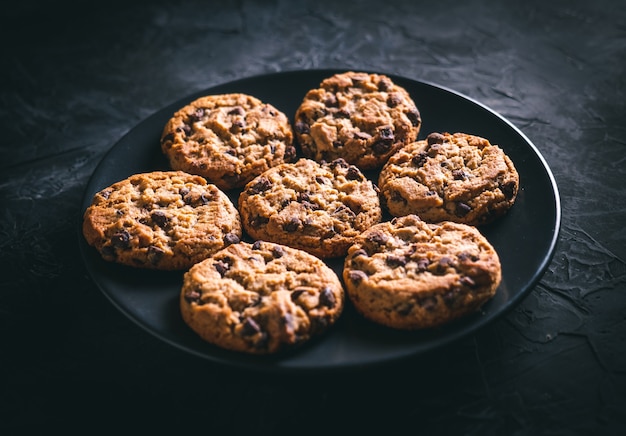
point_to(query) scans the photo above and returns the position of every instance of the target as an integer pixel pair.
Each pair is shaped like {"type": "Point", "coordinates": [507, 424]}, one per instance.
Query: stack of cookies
{"type": "Point", "coordinates": [255, 277]}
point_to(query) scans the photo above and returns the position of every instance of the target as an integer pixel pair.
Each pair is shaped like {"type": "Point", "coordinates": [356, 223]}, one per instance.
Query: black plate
{"type": "Point", "coordinates": [525, 238]}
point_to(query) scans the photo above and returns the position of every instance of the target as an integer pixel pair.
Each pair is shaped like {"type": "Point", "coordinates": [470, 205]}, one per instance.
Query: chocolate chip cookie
{"type": "Point", "coordinates": [316, 207]}
{"type": "Point", "coordinates": [260, 298]}
{"type": "Point", "coordinates": [166, 220]}
{"type": "Point", "coordinates": [228, 139]}
{"type": "Point", "coordinates": [408, 274]}
{"type": "Point", "coordinates": [360, 117]}
{"type": "Point", "coordinates": [450, 177]}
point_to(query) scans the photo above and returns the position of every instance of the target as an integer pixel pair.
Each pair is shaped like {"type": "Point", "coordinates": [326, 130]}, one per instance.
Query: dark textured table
{"type": "Point", "coordinates": [76, 78]}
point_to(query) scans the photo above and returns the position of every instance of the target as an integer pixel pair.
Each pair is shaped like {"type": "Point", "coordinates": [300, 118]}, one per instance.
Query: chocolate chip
{"type": "Point", "coordinates": [462, 209]}
{"type": "Point", "coordinates": [159, 218]}
{"type": "Point", "coordinates": [414, 117]}
{"type": "Point", "coordinates": [467, 281]}
{"type": "Point", "coordinates": [422, 264]}
{"type": "Point", "coordinates": [302, 127]}
{"type": "Point", "coordinates": [250, 327]}
{"type": "Point", "coordinates": [192, 296]}
{"type": "Point", "coordinates": [435, 138]}
{"type": "Point", "coordinates": [443, 264]}
{"type": "Point", "coordinates": [386, 133]}
{"type": "Point", "coordinates": [419, 159]}
{"type": "Point", "coordinates": [396, 197]}
{"type": "Point", "coordinates": [278, 252]}
{"type": "Point", "coordinates": [257, 221]}
{"type": "Point", "coordinates": [385, 84]}
{"type": "Point", "coordinates": [261, 185]}
{"type": "Point", "coordinates": [197, 115]}
{"type": "Point", "coordinates": [290, 153]}
{"type": "Point", "coordinates": [105, 193]}
{"type": "Point", "coordinates": [394, 99]}
{"type": "Point", "coordinates": [237, 126]}
{"type": "Point", "coordinates": [508, 189]}
{"type": "Point", "coordinates": [296, 293]}
{"type": "Point", "coordinates": [195, 199]}
{"type": "Point", "coordinates": [327, 298]}
{"type": "Point", "coordinates": [256, 245]}
{"type": "Point", "coordinates": [185, 128]}
{"type": "Point", "coordinates": [395, 261]}
{"type": "Point", "coordinates": [433, 150]}
{"type": "Point", "coordinates": [330, 100]}
{"type": "Point", "coordinates": [167, 138]}
{"type": "Point", "coordinates": [321, 180]}
{"type": "Point", "coordinates": [221, 267]}
{"type": "Point", "coordinates": [378, 238]}
{"type": "Point", "coordinates": [359, 252]}
{"type": "Point", "coordinates": [237, 110]}
{"type": "Point", "coordinates": [356, 276]}
{"type": "Point", "coordinates": [446, 261]}
{"type": "Point", "coordinates": [121, 239]}
{"type": "Point", "coordinates": [292, 225]}
{"type": "Point", "coordinates": [344, 212]}
{"type": "Point", "coordinates": [459, 175]}
{"type": "Point", "coordinates": [269, 110]}
{"type": "Point", "coordinates": [341, 163]}
{"type": "Point", "coordinates": [466, 256]}
{"type": "Point", "coordinates": [231, 238]}
{"type": "Point", "coordinates": [381, 147]}
{"type": "Point", "coordinates": [353, 173]}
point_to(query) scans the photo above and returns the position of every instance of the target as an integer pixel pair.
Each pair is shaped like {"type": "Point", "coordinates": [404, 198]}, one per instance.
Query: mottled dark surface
{"type": "Point", "coordinates": [75, 78]}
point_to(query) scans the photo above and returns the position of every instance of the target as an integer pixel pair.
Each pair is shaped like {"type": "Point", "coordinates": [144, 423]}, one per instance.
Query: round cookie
{"type": "Point", "coordinates": [316, 207]}
{"type": "Point", "coordinates": [450, 177]}
{"type": "Point", "coordinates": [165, 220]}
{"type": "Point", "coordinates": [260, 298]}
{"type": "Point", "coordinates": [408, 274]}
{"type": "Point", "coordinates": [360, 117]}
{"type": "Point", "coordinates": [228, 139]}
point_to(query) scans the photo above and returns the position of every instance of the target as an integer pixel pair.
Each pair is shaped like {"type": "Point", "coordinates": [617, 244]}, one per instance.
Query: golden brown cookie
{"type": "Point", "coordinates": [315, 207]}
{"type": "Point", "coordinates": [228, 139]}
{"type": "Point", "coordinates": [360, 117]}
{"type": "Point", "coordinates": [161, 220]}
{"type": "Point", "coordinates": [450, 177]}
{"type": "Point", "coordinates": [408, 274]}
{"type": "Point", "coordinates": [260, 298]}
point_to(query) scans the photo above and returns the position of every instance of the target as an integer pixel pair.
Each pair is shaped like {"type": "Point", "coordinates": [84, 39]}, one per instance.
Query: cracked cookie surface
{"type": "Point", "coordinates": [408, 274]}
{"type": "Point", "coordinates": [228, 139]}
{"type": "Point", "coordinates": [165, 220]}
{"type": "Point", "coordinates": [450, 177]}
{"type": "Point", "coordinates": [260, 298]}
{"type": "Point", "coordinates": [315, 207]}
{"type": "Point", "coordinates": [360, 117]}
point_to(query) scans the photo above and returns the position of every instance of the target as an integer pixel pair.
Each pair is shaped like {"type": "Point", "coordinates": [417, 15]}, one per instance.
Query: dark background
{"type": "Point", "coordinates": [75, 77]}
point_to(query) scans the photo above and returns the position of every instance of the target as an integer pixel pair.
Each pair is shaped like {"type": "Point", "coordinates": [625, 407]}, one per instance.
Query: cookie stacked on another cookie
{"type": "Point", "coordinates": [360, 117]}
{"type": "Point", "coordinates": [316, 207]}
{"type": "Point", "coordinates": [456, 177]}
{"type": "Point", "coordinates": [228, 139]}
{"type": "Point", "coordinates": [260, 298]}
{"type": "Point", "coordinates": [166, 220]}
{"type": "Point", "coordinates": [408, 274]}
